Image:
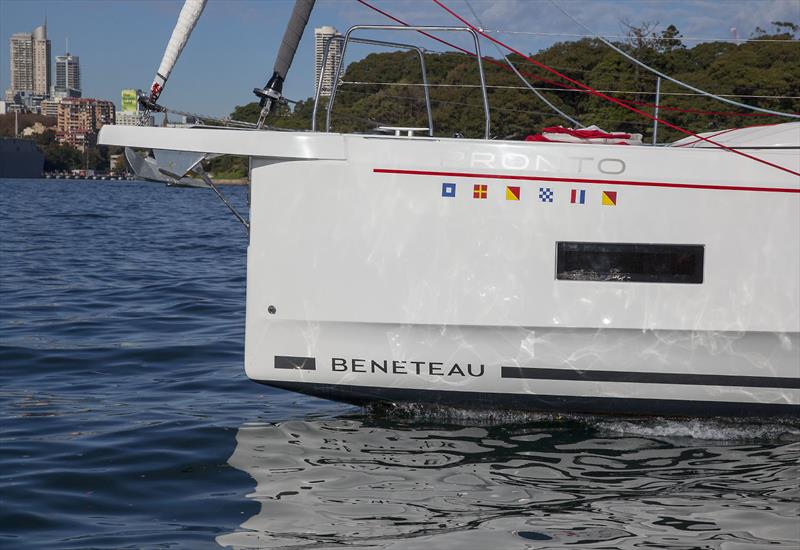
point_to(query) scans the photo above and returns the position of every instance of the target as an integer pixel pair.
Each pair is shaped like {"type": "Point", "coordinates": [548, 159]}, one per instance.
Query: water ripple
{"type": "Point", "coordinates": [372, 485]}
{"type": "Point", "coordinates": [127, 420]}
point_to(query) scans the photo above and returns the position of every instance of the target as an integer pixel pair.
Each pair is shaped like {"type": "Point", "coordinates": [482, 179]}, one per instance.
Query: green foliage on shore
{"type": "Point", "coordinates": [58, 157]}
{"type": "Point", "coordinates": [61, 157]}
{"type": "Point", "coordinates": [383, 88]}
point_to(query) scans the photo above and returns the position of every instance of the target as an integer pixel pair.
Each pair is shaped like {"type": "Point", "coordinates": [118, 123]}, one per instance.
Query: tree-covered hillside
{"type": "Point", "coordinates": [383, 88]}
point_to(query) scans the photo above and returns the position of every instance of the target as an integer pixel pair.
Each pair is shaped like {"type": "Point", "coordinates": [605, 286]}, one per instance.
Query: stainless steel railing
{"type": "Point", "coordinates": [420, 51]}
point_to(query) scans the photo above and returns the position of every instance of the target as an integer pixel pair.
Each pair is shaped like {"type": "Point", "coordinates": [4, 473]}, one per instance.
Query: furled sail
{"type": "Point", "coordinates": [291, 39]}
{"type": "Point", "coordinates": [292, 35]}
{"type": "Point", "coordinates": [187, 20]}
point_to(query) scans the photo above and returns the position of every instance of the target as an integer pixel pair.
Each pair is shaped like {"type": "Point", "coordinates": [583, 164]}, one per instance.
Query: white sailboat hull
{"type": "Point", "coordinates": [374, 274]}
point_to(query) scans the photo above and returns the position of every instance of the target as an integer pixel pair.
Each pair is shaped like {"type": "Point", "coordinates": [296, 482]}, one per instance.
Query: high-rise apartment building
{"type": "Point", "coordinates": [79, 120]}
{"type": "Point", "coordinates": [68, 75]}
{"type": "Point", "coordinates": [49, 107]}
{"type": "Point", "coordinates": [30, 63]}
{"type": "Point", "coordinates": [323, 36]}
{"type": "Point", "coordinates": [41, 61]}
{"type": "Point", "coordinates": [21, 54]}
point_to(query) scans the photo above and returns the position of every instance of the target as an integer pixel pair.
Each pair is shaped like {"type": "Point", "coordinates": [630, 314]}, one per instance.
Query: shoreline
{"type": "Point", "coordinates": [223, 181]}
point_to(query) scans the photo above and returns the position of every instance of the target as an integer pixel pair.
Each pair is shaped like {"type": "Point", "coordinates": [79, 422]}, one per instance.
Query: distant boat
{"type": "Point", "coordinates": [542, 275]}
{"type": "Point", "coordinates": [20, 158]}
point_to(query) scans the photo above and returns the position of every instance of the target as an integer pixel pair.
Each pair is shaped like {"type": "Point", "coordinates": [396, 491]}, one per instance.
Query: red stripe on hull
{"type": "Point", "coordinates": [588, 181]}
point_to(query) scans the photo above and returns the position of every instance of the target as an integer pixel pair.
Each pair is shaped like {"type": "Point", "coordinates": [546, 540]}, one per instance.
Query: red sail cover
{"type": "Point", "coordinates": [592, 134]}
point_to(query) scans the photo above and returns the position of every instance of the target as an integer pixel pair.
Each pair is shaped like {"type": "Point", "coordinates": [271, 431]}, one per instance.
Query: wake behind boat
{"type": "Point", "coordinates": [539, 275]}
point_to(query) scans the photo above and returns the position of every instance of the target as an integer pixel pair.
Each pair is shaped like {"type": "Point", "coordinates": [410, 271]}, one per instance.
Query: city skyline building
{"type": "Point", "coordinates": [41, 61]}
{"type": "Point", "coordinates": [30, 60]}
{"type": "Point", "coordinates": [133, 118]}
{"type": "Point", "coordinates": [49, 107]}
{"type": "Point", "coordinates": [79, 120]}
{"type": "Point", "coordinates": [323, 36]}
{"type": "Point", "coordinates": [20, 47]}
{"type": "Point", "coordinates": [68, 75]}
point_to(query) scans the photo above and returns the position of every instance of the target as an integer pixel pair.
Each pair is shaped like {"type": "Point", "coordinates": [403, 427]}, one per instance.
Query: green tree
{"type": "Point", "coordinates": [383, 88]}
{"type": "Point", "coordinates": [61, 157]}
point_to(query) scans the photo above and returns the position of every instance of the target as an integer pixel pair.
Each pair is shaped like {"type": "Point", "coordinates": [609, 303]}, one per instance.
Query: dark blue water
{"type": "Point", "coordinates": [127, 421]}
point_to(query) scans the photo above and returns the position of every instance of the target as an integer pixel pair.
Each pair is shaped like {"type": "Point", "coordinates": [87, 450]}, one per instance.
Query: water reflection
{"type": "Point", "coordinates": [370, 483]}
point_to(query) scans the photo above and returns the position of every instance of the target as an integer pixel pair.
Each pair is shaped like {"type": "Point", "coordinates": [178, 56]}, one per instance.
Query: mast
{"type": "Point", "coordinates": [187, 20]}
{"type": "Point", "coordinates": [271, 93]}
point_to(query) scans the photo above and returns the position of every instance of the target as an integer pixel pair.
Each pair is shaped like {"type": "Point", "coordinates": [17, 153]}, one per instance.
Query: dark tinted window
{"type": "Point", "coordinates": [628, 262]}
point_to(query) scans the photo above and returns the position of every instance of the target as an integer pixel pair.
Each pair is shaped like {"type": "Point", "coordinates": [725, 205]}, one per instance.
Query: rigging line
{"type": "Point", "coordinates": [693, 94]}
{"type": "Point", "coordinates": [201, 118]}
{"type": "Point", "coordinates": [667, 77]}
{"type": "Point", "coordinates": [563, 87]}
{"type": "Point", "coordinates": [487, 59]}
{"type": "Point", "coordinates": [646, 104]}
{"type": "Point", "coordinates": [397, 20]}
{"type": "Point", "coordinates": [677, 38]}
{"type": "Point", "coordinates": [462, 50]}
{"type": "Point", "coordinates": [508, 87]}
{"type": "Point", "coordinates": [538, 94]}
{"type": "Point", "coordinates": [505, 109]}
{"type": "Point", "coordinates": [696, 111]}
{"type": "Point", "coordinates": [614, 100]}
{"type": "Point", "coordinates": [224, 121]}
{"type": "Point", "coordinates": [499, 87]}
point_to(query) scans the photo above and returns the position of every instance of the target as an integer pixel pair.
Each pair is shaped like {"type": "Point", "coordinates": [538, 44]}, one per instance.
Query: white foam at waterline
{"type": "Point", "coordinates": [708, 429]}
{"type": "Point", "coordinates": [424, 411]}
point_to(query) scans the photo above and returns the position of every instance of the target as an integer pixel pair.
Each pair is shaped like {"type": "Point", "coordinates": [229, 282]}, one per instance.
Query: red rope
{"type": "Point", "coordinates": [462, 50]}
{"type": "Point", "coordinates": [552, 82]}
{"type": "Point", "coordinates": [693, 111]}
{"type": "Point", "coordinates": [612, 99]}
{"type": "Point", "coordinates": [559, 84]}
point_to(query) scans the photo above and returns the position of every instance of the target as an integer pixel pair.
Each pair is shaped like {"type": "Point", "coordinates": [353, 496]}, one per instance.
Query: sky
{"type": "Point", "coordinates": [233, 48]}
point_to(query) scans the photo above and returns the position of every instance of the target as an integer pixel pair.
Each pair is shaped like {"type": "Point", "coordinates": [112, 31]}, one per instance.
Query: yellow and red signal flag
{"type": "Point", "coordinates": [609, 198]}
{"type": "Point", "coordinates": [512, 193]}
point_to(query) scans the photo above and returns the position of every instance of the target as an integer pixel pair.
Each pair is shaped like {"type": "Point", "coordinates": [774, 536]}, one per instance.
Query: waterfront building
{"type": "Point", "coordinates": [128, 118]}
{"type": "Point", "coordinates": [130, 113]}
{"type": "Point", "coordinates": [68, 75]}
{"type": "Point", "coordinates": [49, 107]}
{"type": "Point", "coordinates": [79, 120]}
{"type": "Point", "coordinates": [36, 129]}
{"type": "Point", "coordinates": [130, 100]}
{"type": "Point", "coordinates": [30, 63]}
{"type": "Point", "coordinates": [25, 101]}
{"type": "Point", "coordinates": [21, 54]}
{"type": "Point", "coordinates": [61, 94]}
{"type": "Point", "coordinates": [322, 36]}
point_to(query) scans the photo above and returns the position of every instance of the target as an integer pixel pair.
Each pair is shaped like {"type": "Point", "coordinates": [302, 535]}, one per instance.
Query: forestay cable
{"type": "Point", "coordinates": [563, 87]}
{"type": "Point", "coordinates": [563, 115]}
{"type": "Point", "coordinates": [612, 99]}
{"type": "Point", "coordinates": [667, 77]}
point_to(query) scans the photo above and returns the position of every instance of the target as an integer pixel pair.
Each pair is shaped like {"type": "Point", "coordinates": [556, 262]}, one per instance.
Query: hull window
{"type": "Point", "coordinates": [629, 262]}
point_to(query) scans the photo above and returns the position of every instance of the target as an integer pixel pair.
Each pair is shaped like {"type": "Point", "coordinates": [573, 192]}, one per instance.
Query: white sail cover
{"type": "Point", "coordinates": [785, 135]}
{"type": "Point", "coordinates": [187, 20]}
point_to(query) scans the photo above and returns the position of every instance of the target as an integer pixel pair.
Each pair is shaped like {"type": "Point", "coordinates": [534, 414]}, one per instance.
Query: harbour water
{"type": "Point", "coordinates": [127, 421]}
